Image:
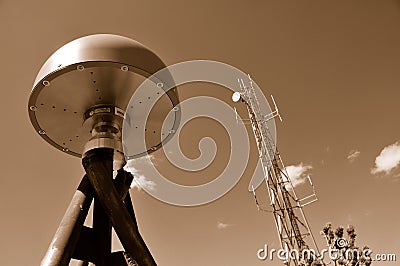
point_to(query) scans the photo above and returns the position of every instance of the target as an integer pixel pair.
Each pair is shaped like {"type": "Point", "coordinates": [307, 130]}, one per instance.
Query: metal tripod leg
{"type": "Point", "coordinates": [101, 222]}
{"type": "Point", "coordinates": [98, 166]}
{"type": "Point", "coordinates": [64, 241]}
{"type": "Point", "coordinates": [129, 207]}
{"type": "Point", "coordinates": [102, 233]}
{"type": "Point", "coordinates": [94, 243]}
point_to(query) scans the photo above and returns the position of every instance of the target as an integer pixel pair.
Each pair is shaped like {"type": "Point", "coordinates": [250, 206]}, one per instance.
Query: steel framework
{"type": "Point", "coordinates": [112, 208]}
{"type": "Point", "coordinates": [290, 220]}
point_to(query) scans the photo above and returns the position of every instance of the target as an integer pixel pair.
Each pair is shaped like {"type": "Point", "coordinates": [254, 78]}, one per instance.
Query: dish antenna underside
{"type": "Point", "coordinates": [81, 93]}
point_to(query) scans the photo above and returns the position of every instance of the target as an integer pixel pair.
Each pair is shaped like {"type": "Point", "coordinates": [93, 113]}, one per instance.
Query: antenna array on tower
{"type": "Point", "coordinates": [292, 226]}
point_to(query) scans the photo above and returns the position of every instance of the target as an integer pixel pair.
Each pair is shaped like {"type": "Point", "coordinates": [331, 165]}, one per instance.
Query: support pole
{"type": "Point", "coordinates": [102, 233]}
{"type": "Point", "coordinates": [101, 222]}
{"type": "Point", "coordinates": [129, 207]}
{"type": "Point", "coordinates": [64, 240]}
{"type": "Point", "coordinates": [89, 245]}
{"type": "Point", "coordinates": [96, 164]}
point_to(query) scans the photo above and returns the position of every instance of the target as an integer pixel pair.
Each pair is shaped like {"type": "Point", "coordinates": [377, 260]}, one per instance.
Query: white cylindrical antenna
{"type": "Point", "coordinates": [266, 175]}
{"type": "Point", "coordinates": [236, 116]}
{"type": "Point", "coordinates": [309, 179]}
{"type": "Point", "coordinates": [279, 224]}
{"type": "Point", "coordinates": [272, 197]}
{"type": "Point", "coordinates": [276, 108]}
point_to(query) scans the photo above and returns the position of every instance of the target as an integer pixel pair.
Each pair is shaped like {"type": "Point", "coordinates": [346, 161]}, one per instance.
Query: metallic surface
{"type": "Point", "coordinates": [87, 248]}
{"type": "Point", "coordinates": [67, 235]}
{"type": "Point", "coordinates": [102, 232]}
{"type": "Point", "coordinates": [73, 240]}
{"type": "Point", "coordinates": [106, 125]}
{"type": "Point", "coordinates": [98, 167]}
{"type": "Point", "coordinates": [90, 71]}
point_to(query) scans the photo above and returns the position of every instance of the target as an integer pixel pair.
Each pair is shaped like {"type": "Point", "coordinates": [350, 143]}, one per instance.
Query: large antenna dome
{"type": "Point", "coordinates": [81, 93]}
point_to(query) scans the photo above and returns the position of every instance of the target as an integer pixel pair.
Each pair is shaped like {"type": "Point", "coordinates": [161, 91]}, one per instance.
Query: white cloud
{"type": "Point", "coordinates": [150, 158]}
{"type": "Point", "coordinates": [388, 159]}
{"type": "Point", "coordinates": [353, 155]}
{"type": "Point", "coordinates": [140, 181]}
{"type": "Point", "coordinates": [297, 173]}
{"type": "Point", "coordinates": [222, 226]}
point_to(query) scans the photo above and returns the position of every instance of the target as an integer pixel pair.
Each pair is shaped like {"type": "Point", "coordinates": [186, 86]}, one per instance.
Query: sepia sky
{"type": "Point", "coordinates": [332, 66]}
